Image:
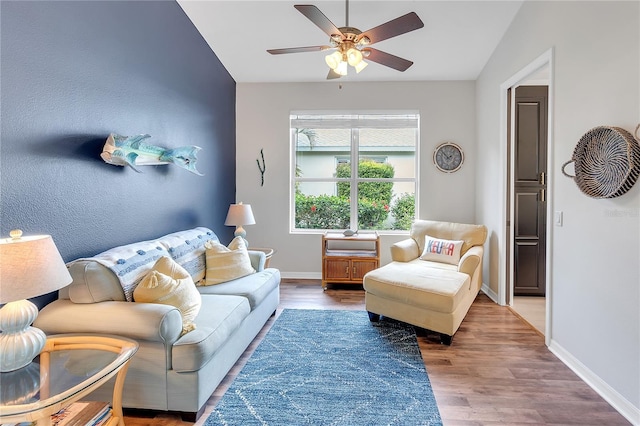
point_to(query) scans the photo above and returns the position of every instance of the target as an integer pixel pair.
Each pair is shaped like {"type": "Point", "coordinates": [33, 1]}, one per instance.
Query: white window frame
{"type": "Point", "coordinates": [354, 179]}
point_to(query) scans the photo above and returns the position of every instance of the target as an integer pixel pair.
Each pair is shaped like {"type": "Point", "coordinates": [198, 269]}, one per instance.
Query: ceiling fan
{"type": "Point", "coordinates": [351, 45]}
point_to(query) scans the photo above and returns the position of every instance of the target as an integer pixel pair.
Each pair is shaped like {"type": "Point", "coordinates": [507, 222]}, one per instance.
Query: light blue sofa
{"type": "Point", "coordinates": [169, 372]}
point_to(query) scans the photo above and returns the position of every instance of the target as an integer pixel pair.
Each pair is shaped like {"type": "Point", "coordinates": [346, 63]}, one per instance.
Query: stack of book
{"type": "Point", "coordinates": [80, 413]}
{"type": "Point", "coordinates": [83, 413]}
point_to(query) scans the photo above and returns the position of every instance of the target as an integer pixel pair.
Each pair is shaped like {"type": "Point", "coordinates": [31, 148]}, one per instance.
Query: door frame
{"type": "Point", "coordinates": [506, 264]}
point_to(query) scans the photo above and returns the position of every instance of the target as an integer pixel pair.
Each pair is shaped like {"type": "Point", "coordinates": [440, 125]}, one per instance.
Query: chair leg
{"type": "Point", "coordinates": [445, 339]}
{"type": "Point", "coordinates": [373, 317]}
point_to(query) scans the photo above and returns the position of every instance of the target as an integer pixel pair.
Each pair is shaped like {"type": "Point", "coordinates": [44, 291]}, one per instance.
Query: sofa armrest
{"type": "Point", "coordinates": [405, 250]}
{"type": "Point", "coordinates": [470, 260]}
{"type": "Point", "coordinates": [140, 321]}
{"type": "Point", "coordinates": [258, 259]}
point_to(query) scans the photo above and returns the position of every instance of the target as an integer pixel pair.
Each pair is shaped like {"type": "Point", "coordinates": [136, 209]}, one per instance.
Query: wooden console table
{"type": "Point", "coordinates": [346, 260]}
{"type": "Point", "coordinates": [69, 367]}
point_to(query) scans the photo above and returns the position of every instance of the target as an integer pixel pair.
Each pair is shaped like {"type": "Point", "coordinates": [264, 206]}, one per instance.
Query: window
{"type": "Point", "coordinates": [343, 159]}
{"type": "Point", "coordinates": [356, 171]}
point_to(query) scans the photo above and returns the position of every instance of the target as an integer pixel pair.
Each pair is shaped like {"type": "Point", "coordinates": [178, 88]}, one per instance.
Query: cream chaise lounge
{"type": "Point", "coordinates": [436, 293]}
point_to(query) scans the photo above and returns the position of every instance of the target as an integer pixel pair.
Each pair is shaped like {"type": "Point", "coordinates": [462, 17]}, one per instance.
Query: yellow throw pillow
{"type": "Point", "coordinates": [227, 263]}
{"type": "Point", "coordinates": [170, 284]}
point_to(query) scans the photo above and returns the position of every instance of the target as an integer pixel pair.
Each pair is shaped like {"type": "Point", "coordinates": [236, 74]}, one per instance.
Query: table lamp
{"type": "Point", "coordinates": [238, 215]}
{"type": "Point", "coordinates": [29, 267]}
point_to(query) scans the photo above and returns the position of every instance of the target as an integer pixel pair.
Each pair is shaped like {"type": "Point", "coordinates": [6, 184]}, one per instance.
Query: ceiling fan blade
{"type": "Point", "coordinates": [387, 59]}
{"type": "Point", "coordinates": [395, 27]}
{"type": "Point", "coordinates": [298, 49]}
{"type": "Point", "coordinates": [332, 75]}
{"type": "Point", "coordinates": [318, 18]}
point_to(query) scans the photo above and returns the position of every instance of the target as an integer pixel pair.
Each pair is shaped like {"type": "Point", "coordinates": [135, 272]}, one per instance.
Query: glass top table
{"type": "Point", "coordinates": [69, 367]}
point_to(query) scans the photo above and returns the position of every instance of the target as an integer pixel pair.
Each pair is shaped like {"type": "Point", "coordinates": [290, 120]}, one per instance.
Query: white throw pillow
{"type": "Point", "coordinates": [170, 284]}
{"type": "Point", "coordinates": [443, 251]}
{"type": "Point", "coordinates": [227, 263]}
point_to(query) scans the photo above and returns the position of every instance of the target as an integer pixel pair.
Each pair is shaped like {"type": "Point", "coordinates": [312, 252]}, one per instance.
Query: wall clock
{"type": "Point", "coordinates": [448, 157]}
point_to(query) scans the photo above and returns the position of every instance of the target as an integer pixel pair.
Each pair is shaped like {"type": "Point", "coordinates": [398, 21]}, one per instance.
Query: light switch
{"type": "Point", "coordinates": [557, 218]}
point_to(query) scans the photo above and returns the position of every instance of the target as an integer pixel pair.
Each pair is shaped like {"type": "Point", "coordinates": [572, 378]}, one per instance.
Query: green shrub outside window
{"type": "Point", "coordinates": [374, 202]}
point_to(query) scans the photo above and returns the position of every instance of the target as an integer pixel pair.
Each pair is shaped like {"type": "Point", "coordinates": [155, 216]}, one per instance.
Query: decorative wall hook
{"type": "Point", "coordinates": [262, 167]}
{"type": "Point", "coordinates": [132, 151]}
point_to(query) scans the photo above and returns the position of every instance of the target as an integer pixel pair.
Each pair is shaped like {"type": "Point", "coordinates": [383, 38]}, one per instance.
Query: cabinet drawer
{"type": "Point", "coordinates": [361, 267]}
{"type": "Point", "coordinates": [337, 269]}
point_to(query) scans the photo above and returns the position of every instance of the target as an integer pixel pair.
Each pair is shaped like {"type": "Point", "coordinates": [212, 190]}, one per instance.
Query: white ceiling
{"type": "Point", "coordinates": [455, 43]}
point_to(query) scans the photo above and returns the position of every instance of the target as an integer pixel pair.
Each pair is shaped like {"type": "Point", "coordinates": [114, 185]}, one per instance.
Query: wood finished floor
{"type": "Point", "coordinates": [532, 310]}
{"type": "Point", "coordinates": [497, 371]}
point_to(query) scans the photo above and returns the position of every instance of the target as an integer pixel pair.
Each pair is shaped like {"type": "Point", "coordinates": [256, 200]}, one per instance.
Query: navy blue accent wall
{"type": "Point", "coordinates": [74, 71]}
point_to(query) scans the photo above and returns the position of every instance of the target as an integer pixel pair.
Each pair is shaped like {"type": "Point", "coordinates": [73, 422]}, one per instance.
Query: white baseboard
{"type": "Point", "coordinates": [302, 275]}
{"type": "Point", "coordinates": [617, 401]}
{"type": "Point", "coordinates": [490, 293]}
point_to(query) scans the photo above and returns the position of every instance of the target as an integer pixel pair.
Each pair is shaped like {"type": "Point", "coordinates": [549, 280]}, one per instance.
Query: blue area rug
{"type": "Point", "coordinates": [319, 367]}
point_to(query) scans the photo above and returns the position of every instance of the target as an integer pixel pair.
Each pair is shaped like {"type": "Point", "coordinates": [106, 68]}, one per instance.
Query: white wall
{"type": "Point", "coordinates": [595, 272]}
{"type": "Point", "coordinates": [447, 112]}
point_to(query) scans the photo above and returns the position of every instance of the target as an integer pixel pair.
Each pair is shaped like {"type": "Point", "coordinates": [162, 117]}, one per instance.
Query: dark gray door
{"type": "Point", "coordinates": [530, 190]}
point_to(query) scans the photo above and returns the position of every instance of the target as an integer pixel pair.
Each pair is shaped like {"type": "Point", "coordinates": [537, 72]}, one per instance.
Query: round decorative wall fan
{"type": "Point", "coordinates": [606, 162]}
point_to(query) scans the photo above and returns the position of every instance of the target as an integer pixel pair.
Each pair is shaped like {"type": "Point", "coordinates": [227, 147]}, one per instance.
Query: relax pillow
{"type": "Point", "coordinates": [227, 263]}
{"type": "Point", "coordinates": [443, 251]}
{"type": "Point", "coordinates": [170, 284]}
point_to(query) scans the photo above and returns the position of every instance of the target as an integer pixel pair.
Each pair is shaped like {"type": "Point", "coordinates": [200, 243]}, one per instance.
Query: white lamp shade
{"type": "Point", "coordinates": [239, 215]}
{"type": "Point", "coordinates": [333, 60]}
{"type": "Point", "coordinates": [342, 68]}
{"type": "Point", "coordinates": [361, 65]}
{"type": "Point", "coordinates": [30, 267]}
{"type": "Point", "coordinates": [354, 56]}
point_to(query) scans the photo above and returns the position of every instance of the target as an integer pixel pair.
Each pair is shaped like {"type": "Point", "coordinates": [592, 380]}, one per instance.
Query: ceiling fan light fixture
{"type": "Point", "coordinates": [352, 45]}
{"type": "Point", "coordinates": [342, 68]}
{"type": "Point", "coordinates": [360, 66]}
{"type": "Point", "coordinates": [333, 60]}
{"type": "Point", "coordinates": [354, 56]}
{"type": "Point", "coordinates": [363, 41]}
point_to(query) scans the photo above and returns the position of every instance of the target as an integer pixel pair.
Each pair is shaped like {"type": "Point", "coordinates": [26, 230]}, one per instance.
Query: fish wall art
{"type": "Point", "coordinates": [132, 151]}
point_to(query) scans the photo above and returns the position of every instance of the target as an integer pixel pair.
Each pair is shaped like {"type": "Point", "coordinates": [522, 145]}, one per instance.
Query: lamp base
{"type": "Point", "coordinates": [19, 343]}
{"type": "Point", "coordinates": [240, 232]}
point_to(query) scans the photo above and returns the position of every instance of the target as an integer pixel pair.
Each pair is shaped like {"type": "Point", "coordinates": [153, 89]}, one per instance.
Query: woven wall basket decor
{"type": "Point", "coordinates": [606, 162]}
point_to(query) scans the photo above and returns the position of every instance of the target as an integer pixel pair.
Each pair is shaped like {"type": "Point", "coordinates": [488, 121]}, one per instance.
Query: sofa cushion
{"type": "Point", "coordinates": [94, 277]}
{"type": "Point", "coordinates": [417, 283]}
{"type": "Point", "coordinates": [439, 250]}
{"type": "Point", "coordinates": [93, 282]}
{"type": "Point", "coordinates": [472, 235]}
{"type": "Point", "coordinates": [219, 317]}
{"type": "Point", "coordinates": [170, 284]}
{"type": "Point", "coordinates": [254, 287]}
{"type": "Point", "coordinates": [130, 263]}
{"type": "Point", "coordinates": [227, 263]}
